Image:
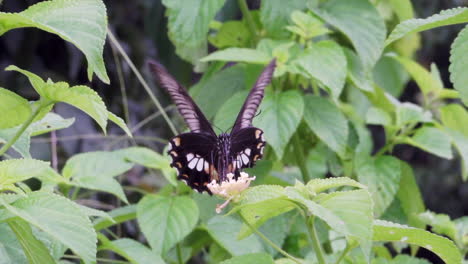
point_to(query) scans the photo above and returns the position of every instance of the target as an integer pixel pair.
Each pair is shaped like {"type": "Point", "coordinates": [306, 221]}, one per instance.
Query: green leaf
{"type": "Point", "coordinates": [17, 170]}
{"type": "Point", "coordinates": [21, 145]}
{"type": "Point", "coordinates": [432, 140]}
{"type": "Point", "coordinates": [441, 246]}
{"type": "Point", "coordinates": [423, 77]}
{"type": "Point", "coordinates": [457, 66]}
{"type": "Point", "coordinates": [410, 196]}
{"type": "Point", "coordinates": [60, 218]}
{"type": "Point", "coordinates": [402, 8]}
{"type": "Point", "coordinates": [14, 108]}
{"type": "Point", "coordinates": [326, 62]}
{"type": "Point", "coordinates": [10, 248]}
{"type": "Point", "coordinates": [321, 185]}
{"type": "Point", "coordinates": [444, 18]}
{"type": "Point", "coordinates": [119, 122]}
{"type": "Point", "coordinates": [327, 122]}
{"type": "Point", "coordinates": [455, 117]}
{"type": "Point", "coordinates": [50, 122]}
{"type": "Point", "coordinates": [360, 21]}
{"type": "Point", "coordinates": [231, 34]}
{"type": "Point", "coordinates": [460, 142]}
{"type": "Point", "coordinates": [228, 111]}
{"type": "Point", "coordinates": [356, 72]}
{"type": "Point", "coordinates": [389, 75]}
{"type": "Point", "coordinates": [377, 116]}
{"type": "Point", "coordinates": [253, 258]}
{"type": "Point", "coordinates": [166, 220]}
{"type": "Point", "coordinates": [34, 250]}
{"type": "Point", "coordinates": [188, 24]}
{"type": "Point", "coordinates": [224, 229]}
{"type": "Point", "coordinates": [400, 259]}
{"type": "Point", "coordinates": [382, 177]}
{"type": "Point", "coordinates": [83, 23]}
{"type": "Point", "coordinates": [275, 15]}
{"type": "Point", "coordinates": [408, 113]}
{"type": "Point", "coordinates": [440, 223]}
{"type": "Point", "coordinates": [119, 215]}
{"type": "Point", "coordinates": [281, 114]}
{"type": "Point", "coordinates": [81, 97]}
{"type": "Point", "coordinates": [96, 171]}
{"type": "Point", "coordinates": [239, 55]}
{"type": "Point", "coordinates": [132, 250]}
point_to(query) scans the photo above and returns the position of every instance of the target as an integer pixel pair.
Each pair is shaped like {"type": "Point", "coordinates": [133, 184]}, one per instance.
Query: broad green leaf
{"type": "Point", "coordinates": [231, 34]}
{"type": "Point", "coordinates": [275, 15]}
{"type": "Point", "coordinates": [132, 250]}
{"type": "Point", "coordinates": [356, 72]}
{"type": "Point", "coordinates": [408, 113]}
{"type": "Point", "coordinates": [377, 116]}
{"type": "Point", "coordinates": [281, 114]}
{"type": "Point", "coordinates": [83, 23]}
{"type": "Point", "coordinates": [188, 24]}
{"type": "Point", "coordinates": [239, 55]}
{"type": "Point", "coordinates": [423, 77]}
{"type": "Point", "coordinates": [444, 18]}
{"type": "Point", "coordinates": [455, 116]}
{"type": "Point", "coordinates": [402, 8]}
{"type": "Point", "coordinates": [166, 220]}
{"type": "Point", "coordinates": [276, 230]}
{"type": "Point", "coordinates": [119, 215]}
{"type": "Point", "coordinates": [227, 113]}
{"type": "Point", "coordinates": [81, 97]}
{"type": "Point", "coordinates": [21, 145]}
{"type": "Point", "coordinates": [432, 140]}
{"type": "Point", "coordinates": [410, 196]}
{"type": "Point", "coordinates": [458, 58]}
{"type": "Point", "coordinates": [360, 21]}
{"type": "Point", "coordinates": [389, 75]}
{"type": "Point", "coordinates": [224, 229]}
{"type": "Point", "coordinates": [252, 258]}
{"type": "Point", "coordinates": [382, 177]}
{"type": "Point", "coordinates": [96, 171]}
{"type": "Point", "coordinates": [321, 185]}
{"type": "Point", "coordinates": [327, 122]}
{"type": "Point", "coordinates": [326, 62]}
{"type": "Point", "coordinates": [50, 122]}
{"type": "Point", "coordinates": [400, 259]}
{"type": "Point", "coordinates": [34, 250]}
{"type": "Point", "coordinates": [60, 218]}
{"type": "Point", "coordinates": [10, 248]}
{"type": "Point", "coordinates": [17, 170]}
{"type": "Point", "coordinates": [440, 223]}
{"type": "Point", "coordinates": [14, 108]}
{"type": "Point", "coordinates": [119, 122]}
{"type": "Point", "coordinates": [441, 246]}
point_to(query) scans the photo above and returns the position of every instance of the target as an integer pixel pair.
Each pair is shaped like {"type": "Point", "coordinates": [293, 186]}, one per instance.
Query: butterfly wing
{"type": "Point", "coordinates": [247, 146]}
{"type": "Point", "coordinates": [249, 109]}
{"type": "Point", "coordinates": [193, 156]}
{"type": "Point", "coordinates": [192, 115]}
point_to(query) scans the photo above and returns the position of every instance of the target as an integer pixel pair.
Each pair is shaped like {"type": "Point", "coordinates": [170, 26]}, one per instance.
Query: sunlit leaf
{"type": "Point", "coordinates": [14, 108]}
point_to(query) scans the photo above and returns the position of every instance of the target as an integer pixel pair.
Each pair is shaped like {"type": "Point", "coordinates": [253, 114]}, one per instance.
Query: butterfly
{"type": "Point", "coordinates": [200, 156]}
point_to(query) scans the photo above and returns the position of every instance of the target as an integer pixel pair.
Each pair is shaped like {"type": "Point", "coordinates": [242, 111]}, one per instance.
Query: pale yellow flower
{"type": "Point", "coordinates": [230, 189]}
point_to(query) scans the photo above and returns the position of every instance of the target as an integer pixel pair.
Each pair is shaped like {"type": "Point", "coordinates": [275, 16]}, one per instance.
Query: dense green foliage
{"type": "Point", "coordinates": [324, 193]}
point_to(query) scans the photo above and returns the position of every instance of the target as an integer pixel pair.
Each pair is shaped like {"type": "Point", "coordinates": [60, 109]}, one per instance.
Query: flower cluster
{"type": "Point", "coordinates": [231, 188]}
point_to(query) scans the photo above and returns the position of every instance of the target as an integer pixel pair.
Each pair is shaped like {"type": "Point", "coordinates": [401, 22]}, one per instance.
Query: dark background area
{"type": "Point", "coordinates": [140, 26]}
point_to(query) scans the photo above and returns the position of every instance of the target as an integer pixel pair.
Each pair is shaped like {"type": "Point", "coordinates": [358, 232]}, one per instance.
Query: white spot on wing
{"type": "Point", "coordinates": [247, 151]}
{"type": "Point", "coordinates": [207, 165]}
{"type": "Point", "coordinates": [200, 165]}
{"type": "Point", "coordinates": [261, 150]}
{"type": "Point", "coordinates": [245, 159]}
{"type": "Point", "coordinates": [189, 157]}
{"type": "Point", "coordinates": [193, 163]}
{"type": "Point", "coordinates": [263, 138]}
{"type": "Point", "coordinates": [169, 147]}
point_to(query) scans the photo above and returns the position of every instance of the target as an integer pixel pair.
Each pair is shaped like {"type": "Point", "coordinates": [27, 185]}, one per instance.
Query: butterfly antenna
{"type": "Point", "coordinates": [259, 112]}
{"type": "Point", "coordinates": [220, 130]}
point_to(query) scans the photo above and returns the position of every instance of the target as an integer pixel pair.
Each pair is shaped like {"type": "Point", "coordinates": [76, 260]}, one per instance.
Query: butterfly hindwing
{"type": "Point", "coordinates": [247, 147]}
{"type": "Point", "coordinates": [193, 157]}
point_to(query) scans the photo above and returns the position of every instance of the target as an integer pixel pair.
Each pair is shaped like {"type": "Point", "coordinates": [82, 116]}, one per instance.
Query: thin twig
{"type": "Point", "coordinates": [315, 240]}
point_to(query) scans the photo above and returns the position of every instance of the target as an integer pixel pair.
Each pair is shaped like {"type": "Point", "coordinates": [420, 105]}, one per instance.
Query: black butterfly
{"type": "Point", "coordinates": [201, 156]}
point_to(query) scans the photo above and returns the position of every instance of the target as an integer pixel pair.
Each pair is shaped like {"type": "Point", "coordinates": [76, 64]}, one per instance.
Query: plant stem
{"type": "Point", "coordinates": [343, 254]}
{"type": "Point", "coordinates": [315, 241]}
{"type": "Point", "coordinates": [250, 22]}
{"type": "Point", "coordinates": [269, 242]}
{"type": "Point", "coordinates": [142, 81]}
{"type": "Point", "coordinates": [300, 158]}
{"type": "Point", "coordinates": [23, 127]}
{"type": "Point", "coordinates": [179, 254]}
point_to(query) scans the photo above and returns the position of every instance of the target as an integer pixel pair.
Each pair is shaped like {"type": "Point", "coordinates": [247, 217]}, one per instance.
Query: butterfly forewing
{"type": "Point", "coordinates": [194, 158]}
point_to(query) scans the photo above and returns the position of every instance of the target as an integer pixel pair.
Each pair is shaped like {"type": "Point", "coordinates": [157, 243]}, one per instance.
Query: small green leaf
{"type": "Point", "coordinates": [83, 23]}
{"type": "Point", "coordinates": [275, 15]}
{"type": "Point", "coordinates": [326, 62]}
{"type": "Point", "coordinates": [382, 177]}
{"type": "Point", "coordinates": [327, 122]}
{"type": "Point", "coordinates": [444, 18]}
{"type": "Point", "coordinates": [14, 108]}
{"type": "Point", "coordinates": [281, 114]}
{"type": "Point", "coordinates": [321, 185]}
{"type": "Point", "coordinates": [440, 223]}
{"type": "Point", "coordinates": [132, 250]}
{"type": "Point", "coordinates": [410, 196]}
{"type": "Point", "coordinates": [224, 229]}
{"type": "Point", "coordinates": [377, 116]}
{"type": "Point", "coordinates": [35, 251]}
{"type": "Point", "coordinates": [17, 170]}
{"type": "Point", "coordinates": [188, 24]}
{"type": "Point", "coordinates": [360, 21]}
{"type": "Point", "coordinates": [253, 258]}
{"type": "Point", "coordinates": [408, 113]}
{"type": "Point", "coordinates": [441, 246]}
{"type": "Point", "coordinates": [455, 117]}
{"type": "Point", "coordinates": [60, 218]}
{"type": "Point", "coordinates": [432, 140]}
{"type": "Point", "coordinates": [119, 122]}
{"type": "Point", "coordinates": [50, 122]}
{"type": "Point", "coordinates": [389, 75]}
{"type": "Point", "coordinates": [239, 55]}
{"type": "Point", "coordinates": [119, 215]}
{"type": "Point", "coordinates": [166, 220]}
{"type": "Point", "coordinates": [457, 66]}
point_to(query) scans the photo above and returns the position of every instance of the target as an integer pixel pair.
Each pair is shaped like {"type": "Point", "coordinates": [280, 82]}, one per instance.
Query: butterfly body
{"type": "Point", "coordinates": [201, 156]}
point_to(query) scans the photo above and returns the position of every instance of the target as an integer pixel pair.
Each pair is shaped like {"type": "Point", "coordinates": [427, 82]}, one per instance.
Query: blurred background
{"type": "Point", "coordinates": [141, 28]}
